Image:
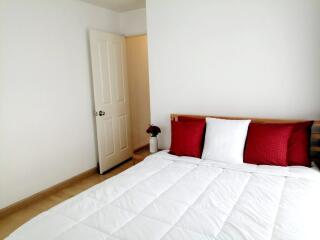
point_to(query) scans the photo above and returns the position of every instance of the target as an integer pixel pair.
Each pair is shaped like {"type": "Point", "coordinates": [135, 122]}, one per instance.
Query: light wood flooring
{"type": "Point", "coordinates": [11, 222]}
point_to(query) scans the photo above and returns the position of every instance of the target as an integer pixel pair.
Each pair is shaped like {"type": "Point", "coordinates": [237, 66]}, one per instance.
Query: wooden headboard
{"type": "Point", "coordinates": [315, 134]}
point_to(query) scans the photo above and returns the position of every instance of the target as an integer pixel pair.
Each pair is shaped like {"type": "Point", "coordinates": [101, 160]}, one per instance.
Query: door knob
{"type": "Point", "coordinates": [101, 113]}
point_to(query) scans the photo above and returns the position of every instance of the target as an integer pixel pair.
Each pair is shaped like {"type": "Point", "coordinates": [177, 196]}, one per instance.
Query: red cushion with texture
{"type": "Point", "coordinates": [299, 145]}
{"type": "Point", "coordinates": [187, 138]}
{"type": "Point", "coordinates": [267, 144]}
{"type": "Point", "coordinates": [190, 119]}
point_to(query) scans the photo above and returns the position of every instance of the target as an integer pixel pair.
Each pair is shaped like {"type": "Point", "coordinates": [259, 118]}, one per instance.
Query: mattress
{"type": "Point", "coordinates": [169, 197]}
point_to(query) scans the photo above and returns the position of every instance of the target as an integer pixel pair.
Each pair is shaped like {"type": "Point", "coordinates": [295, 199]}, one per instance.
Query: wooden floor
{"type": "Point", "coordinates": [12, 221]}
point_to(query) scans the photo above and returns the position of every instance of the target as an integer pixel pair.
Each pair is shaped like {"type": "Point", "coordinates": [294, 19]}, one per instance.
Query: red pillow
{"type": "Point", "coordinates": [190, 119]}
{"type": "Point", "coordinates": [267, 144]}
{"type": "Point", "coordinates": [187, 138]}
{"type": "Point", "coordinates": [299, 145]}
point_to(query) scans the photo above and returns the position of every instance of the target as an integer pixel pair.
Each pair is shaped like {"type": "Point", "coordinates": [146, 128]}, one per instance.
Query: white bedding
{"type": "Point", "coordinates": [168, 197]}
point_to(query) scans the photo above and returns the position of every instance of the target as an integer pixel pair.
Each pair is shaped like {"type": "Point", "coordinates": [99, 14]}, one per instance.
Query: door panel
{"type": "Point", "coordinates": [108, 146]}
{"type": "Point", "coordinates": [110, 94]}
{"type": "Point", "coordinates": [123, 132]}
{"type": "Point", "coordinates": [117, 71]}
{"type": "Point", "coordinates": [104, 76]}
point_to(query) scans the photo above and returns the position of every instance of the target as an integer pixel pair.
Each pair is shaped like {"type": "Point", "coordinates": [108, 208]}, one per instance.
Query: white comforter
{"type": "Point", "coordinates": [168, 197]}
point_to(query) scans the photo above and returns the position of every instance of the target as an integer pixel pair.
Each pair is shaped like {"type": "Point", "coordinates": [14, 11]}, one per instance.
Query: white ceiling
{"type": "Point", "coordinates": [119, 5]}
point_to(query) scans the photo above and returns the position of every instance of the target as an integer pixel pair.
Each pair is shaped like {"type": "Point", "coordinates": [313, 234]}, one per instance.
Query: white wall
{"type": "Point", "coordinates": [237, 58]}
{"type": "Point", "coordinates": [133, 22]}
{"type": "Point", "coordinates": [46, 112]}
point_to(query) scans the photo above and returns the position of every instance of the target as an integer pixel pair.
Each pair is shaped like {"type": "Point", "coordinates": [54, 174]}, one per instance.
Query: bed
{"type": "Point", "coordinates": [169, 197]}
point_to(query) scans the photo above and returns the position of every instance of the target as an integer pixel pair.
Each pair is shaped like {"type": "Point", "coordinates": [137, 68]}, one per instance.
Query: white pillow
{"type": "Point", "coordinates": [225, 140]}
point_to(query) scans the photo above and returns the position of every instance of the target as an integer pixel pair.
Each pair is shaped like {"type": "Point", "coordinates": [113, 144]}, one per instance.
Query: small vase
{"type": "Point", "coordinates": [153, 144]}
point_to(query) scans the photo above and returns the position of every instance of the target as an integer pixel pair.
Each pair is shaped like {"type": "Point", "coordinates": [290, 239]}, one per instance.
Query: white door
{"type": "Point", "coordinates": [108, 59]}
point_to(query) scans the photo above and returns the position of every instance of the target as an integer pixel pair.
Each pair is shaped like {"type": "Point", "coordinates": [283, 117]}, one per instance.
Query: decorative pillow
{"type": "Point", "coordinates": [190, 119]}
{"type": "Point", "coordinates": [267, 144]}
{"type": "Point", "coordinates": [299, 145]}
{"type": "Point", "coordinates": [225, 140]}
{"type": "Point", "coordinates": [187, 138]}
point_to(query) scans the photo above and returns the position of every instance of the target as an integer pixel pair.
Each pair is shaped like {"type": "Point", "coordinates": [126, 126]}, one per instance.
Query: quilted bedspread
{"type": "Point", "coordinates": [168, 197]}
